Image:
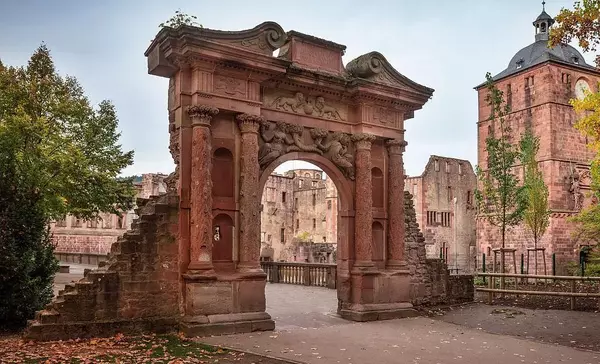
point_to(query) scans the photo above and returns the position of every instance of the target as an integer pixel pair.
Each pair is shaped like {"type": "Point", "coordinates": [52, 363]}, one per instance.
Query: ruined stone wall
{"type": "Point", "coordinates": [300, 213]}
{"type": "Point", "coordinates": [431, 282]}
{"type": "Point", "coordinates": [276, 215]}
{"type": "Point", "coordinates": [76, 236]}
{"type": "Point", "coordinates": [540, 100]}
{"type": "Point", "coordinates": [136, 290]}
{"type": "Point", "coordinates": [443, 180]}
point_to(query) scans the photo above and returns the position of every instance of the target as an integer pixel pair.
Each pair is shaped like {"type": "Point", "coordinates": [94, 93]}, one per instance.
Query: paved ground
{"type": "Point", "coordinates": [309, 331]}
{"type": "Point", "coordinates": [570, 328]}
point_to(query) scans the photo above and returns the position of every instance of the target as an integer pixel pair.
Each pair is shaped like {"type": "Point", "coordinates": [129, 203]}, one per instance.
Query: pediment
{"type": "Point", "coordinates": [264, 38]}
{"type": "Point", "coordinates": [375, 68]}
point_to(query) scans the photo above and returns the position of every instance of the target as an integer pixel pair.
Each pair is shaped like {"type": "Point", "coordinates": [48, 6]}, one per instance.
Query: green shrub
{"type": "Point", "coordinates": [27, 263]}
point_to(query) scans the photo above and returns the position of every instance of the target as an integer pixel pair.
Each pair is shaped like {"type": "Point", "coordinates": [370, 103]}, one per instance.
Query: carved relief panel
{"type": "Point", "coordinates": [229, 86]}
{"type": "Point", "coordinates": [300, 103]}
{"type": "Point", "coordinates": [279, 138]}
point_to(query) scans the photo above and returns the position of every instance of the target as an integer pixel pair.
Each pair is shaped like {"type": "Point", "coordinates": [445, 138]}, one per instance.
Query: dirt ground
{"type": "Point", "coordinates": [569, 328]}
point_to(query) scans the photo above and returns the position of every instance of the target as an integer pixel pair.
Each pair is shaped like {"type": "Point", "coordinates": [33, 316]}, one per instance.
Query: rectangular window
{"type": "Point", "coordinates": [436, 165]}
{"type": "Point", "coordinates": [297, 224]}
{"type": "Point", "coordinates": [296, 203]}
{"type": "Point", "coordinates": [107, 222]}
{"type": "Point", "coordinates": [283, 197]}
{"type": "Point", "coordinates": [431, 218]}
{"type": "Point", "coordinates": [314, 199]}
{"type": "Point", "coordinates": [314, 184]}
{"type": "Point", "coordinates": [300, 183]}
{"type": "Point", "coordinates": [314, 223]}
{"type": "Point", "coordinates": [282, 235]}
{"type": "Point", "coordinates": [76, 222]}
{"type": "Point", "coordinates": [469, 198]}
{"type": "Point", "coordinates": [447, 167]}
{"type": "Point", "coordinates": [446, 219]}
{"type": "Point", "coordinates": [460, 169]}
{"type": "Point", "coordinates": [509, 95]}
{"type": "Point", "coordinates": [269, 237]}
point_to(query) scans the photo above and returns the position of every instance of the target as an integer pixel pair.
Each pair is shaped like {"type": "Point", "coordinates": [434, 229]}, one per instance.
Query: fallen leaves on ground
{"type": "Point", "coordinates": [171, 349]}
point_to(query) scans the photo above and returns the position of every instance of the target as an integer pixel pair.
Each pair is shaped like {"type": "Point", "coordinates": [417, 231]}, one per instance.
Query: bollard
{"type": "Point", "coordinates": [484, 278]}
{"type": "Point", "coordinates": [553, 265]}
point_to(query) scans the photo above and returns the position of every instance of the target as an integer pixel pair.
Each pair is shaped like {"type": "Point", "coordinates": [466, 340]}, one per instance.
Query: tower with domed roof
{"type": "Point", "coordinates": [538, 83]}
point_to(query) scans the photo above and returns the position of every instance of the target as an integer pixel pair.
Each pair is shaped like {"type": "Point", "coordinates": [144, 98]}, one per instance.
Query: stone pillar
{"type": "Point", "coordinates": [201, 190]}
{"type": "Point", "coordinates": [396, 224]}
{"type": "Point", "coordinates": [249, 239]}
{"type": "Point", "coordinates": [363, 196]}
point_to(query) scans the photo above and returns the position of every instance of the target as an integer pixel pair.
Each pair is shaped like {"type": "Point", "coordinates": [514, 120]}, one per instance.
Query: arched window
{"type": "Point", "coordinates": [223, 173]}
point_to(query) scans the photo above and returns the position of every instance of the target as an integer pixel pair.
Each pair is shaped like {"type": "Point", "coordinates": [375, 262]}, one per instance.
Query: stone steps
{"type": "Point", "coordinates": [95, 295]}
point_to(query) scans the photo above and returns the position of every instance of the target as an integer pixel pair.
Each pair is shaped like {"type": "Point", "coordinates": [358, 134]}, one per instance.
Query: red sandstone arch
{"type": "Point", "coordinates": [345, 187]}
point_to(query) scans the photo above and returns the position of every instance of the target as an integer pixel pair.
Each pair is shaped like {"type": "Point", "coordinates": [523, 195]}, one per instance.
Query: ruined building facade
{"type": "Point", "coordinates": [299, 217]}
{"type": "Point", "coordinates": [81, 241]}
{"type": "Point", "coordinates": [443, 196]}
{"type": "Point", "coordinates": [538, 84]}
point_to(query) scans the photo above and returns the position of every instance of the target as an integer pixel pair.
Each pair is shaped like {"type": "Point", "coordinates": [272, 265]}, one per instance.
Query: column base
{"type": "Point", "coordinates": [378, 311]}
{"type": "Point", "coordinates": [226, 324]}
{"type": "Point", "coordinates": [200, 271]}
{"type": "Point", "coordinates": [251, 271]}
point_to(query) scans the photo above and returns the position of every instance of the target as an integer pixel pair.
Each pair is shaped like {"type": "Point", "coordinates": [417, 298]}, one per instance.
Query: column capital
{"type": "Point", "coordinates": [396, 146]}
{"type": "Point", "coordinates": [201, 115]}
{"type": "Point", "coordinates": [249, 123]}
{"type": "Point", "coordinates": [362, 141]}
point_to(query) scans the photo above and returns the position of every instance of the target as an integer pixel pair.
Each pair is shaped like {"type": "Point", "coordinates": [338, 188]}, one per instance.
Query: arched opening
{"type": "Point", "coordinates": [377, 187]}
{"type": "Point", "coordinates": [223, 179]}
{"type": "Point", "coordinates": [222, 250]}
{"type": "Point", "coordinates": [304, 228]}
{"type": "Point", "coordinates": [378, 241]}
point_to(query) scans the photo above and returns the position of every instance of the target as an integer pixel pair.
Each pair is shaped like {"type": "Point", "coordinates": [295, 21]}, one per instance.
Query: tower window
{"type": "Point", "coordinates": [436, 165]}
{"type": "Point", "coordinates": [314, 223]}
{"type": "Point", "coordinates": [283, 197]}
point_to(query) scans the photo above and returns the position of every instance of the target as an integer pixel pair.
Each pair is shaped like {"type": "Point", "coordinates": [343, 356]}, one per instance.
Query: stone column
{"type": "Point", "coordinates": [396, 233]}
{"type": "Point", "coordinates": [363, 197]}
{"type": "Point", "coordinates": [249, 239]}
{"type": "Point", "coordinates": [201, 190]}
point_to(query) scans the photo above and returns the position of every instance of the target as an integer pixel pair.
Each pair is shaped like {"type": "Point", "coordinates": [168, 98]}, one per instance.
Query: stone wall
{"type": "Point", "coordinates": [431, 282]}
{"type": "Point", "coordinates": [75, 236]}
{"type": "Point", "coordinates": [136, 290]}
{"type": "Point", "coordinates": [309, 209]}
{"type": "Point", "coordinates": [539, 99]}
{"type": "Point", "coordinates": [449, 229]}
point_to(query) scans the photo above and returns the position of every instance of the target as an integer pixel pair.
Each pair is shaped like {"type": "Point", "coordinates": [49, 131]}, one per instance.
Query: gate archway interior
{"type": "Point", "coordinates": [236, 111]}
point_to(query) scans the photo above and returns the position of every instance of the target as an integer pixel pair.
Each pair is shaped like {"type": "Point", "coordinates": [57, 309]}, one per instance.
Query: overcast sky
{"type": "Point", "coordinates": [446, 45]}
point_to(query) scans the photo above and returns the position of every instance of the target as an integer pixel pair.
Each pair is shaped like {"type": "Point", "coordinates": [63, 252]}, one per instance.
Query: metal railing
{"type": "Point", "coordinates": [307, 274]}
{"type": "Point", "coordinates": [572, 294]}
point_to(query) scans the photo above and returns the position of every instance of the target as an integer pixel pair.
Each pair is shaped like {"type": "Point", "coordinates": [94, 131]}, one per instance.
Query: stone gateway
{"type": "Point", "coordinates": [236, 112]}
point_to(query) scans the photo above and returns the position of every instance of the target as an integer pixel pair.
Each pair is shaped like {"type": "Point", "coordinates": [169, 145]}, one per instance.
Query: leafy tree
{"type": "Point", "coordinates": [536, 215]}
{"type": "Point", "coordinates": [180, 19]}
{"type": "Point", "coordinates": [582, 23]}
{"type": "Point", "coordinates": [58, 155]}
{"type": "Point", "coordinates": [65, 149]}
{"type": "Point", "coordinates": [501, 198]}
